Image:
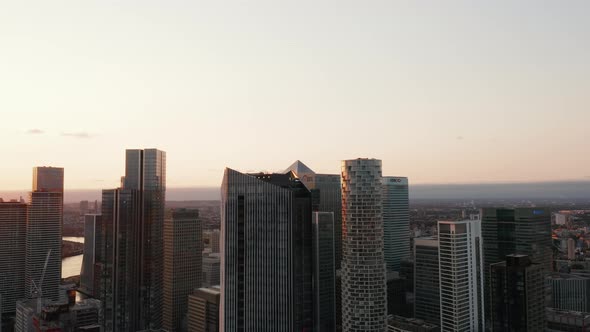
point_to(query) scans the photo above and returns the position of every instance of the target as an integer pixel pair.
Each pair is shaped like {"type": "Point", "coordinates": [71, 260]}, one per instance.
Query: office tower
{"type": "Point", "coordinates": [571, 249]}
{"type": "Point", "coordinates": [44, 232]}
{"type": "Point", "coordinates": [211, 270]}
{"type": "Point", "coordinates": [517, 295]}
{"type": "Point", "coordinates": [87, 274]}
{"type": "Point", "coordinates": [461, 276]}
{"type": "Point", "coordinates": [266, 253]}
{"type": "Point", "coordinates": [396, 296]}
{"type": "Point", "coordinates": [396, 221]}
{"type": "Point", "coordinates": [183, 247]}
{"type": "Point", "coordinates": [203, 310]}
{"type": "Point", "coordinates": [330, 198]}
{"type": "Point", "coordinates": [13, 223]}
{"type": "Point", "coordinates": [324, 272]}
{"type": "Point", "coordinates": [132, 250]}
{"type": "Point", "coordinates": [364, 289]}
{"type": "Point", "coordinates": [426, 279]}
{"type": "Point", "coordinates": [48, 179]}
{"type": "Point", "coordinates": [215, 241]}
{"type": "Point", "coordinates": [570, 291]}
{"type": "Point", "coordinates": [524, 231]}
{"type": "Point", "coordinates": [402, 324]}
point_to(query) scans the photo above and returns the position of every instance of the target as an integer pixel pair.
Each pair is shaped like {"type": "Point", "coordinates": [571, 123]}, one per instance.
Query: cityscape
{"type": "Point", "coordinates": [288, 251]}
{"type": "Point", "coordinates": [294, 166]}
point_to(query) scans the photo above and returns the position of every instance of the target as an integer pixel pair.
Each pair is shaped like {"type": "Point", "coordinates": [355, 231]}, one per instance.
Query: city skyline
{"type": "Point", "coordinates": [436, 83]}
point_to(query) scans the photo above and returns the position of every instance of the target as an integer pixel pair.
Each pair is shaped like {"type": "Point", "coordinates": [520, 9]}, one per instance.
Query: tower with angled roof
{"type": "Point", "coordinates": [266, 253]}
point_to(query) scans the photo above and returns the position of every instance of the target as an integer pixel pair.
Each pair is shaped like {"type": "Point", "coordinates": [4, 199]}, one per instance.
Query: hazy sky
{"type": "Point", "coordinates": [441, 91]}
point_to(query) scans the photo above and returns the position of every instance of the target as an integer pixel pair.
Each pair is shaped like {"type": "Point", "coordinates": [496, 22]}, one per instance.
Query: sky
{"type": "Point", "coordinates": [441, 91]}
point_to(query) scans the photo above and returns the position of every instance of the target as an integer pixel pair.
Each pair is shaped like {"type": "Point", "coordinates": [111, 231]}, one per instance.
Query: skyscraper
{"type": "Point", "coordinates": [570, 291]}
{"type": "Point", "coordinates": [330, 197]}
{"type": "Point", "coordinates": [266, 253]}
{"type": "Point", "coordinates": [211, 270]}
{"type": "Point", "coordinates": [324, 272]}
{"type": "Point", "coordinates": [87, 281]}
{"type": "Point", "coordinates": [517, 295]}
{"type": "Point", "coordinates": [364, 288]}
{"type": "Point", "coordinates": [461, 276]}
{"type": "Point", "coordinates": [524, 231]}
{"type": "Point", "coordinates": [132, 253]}
{"type": "Point", "coordinates": [44, 232]}
{"type": "Point", "coordinates": [183, 247]}
{"type": "Point", "coordinates": [203, 310]}
{"type": "Point", "coordinates": [396, 221]}
{"type": "Point", "coordinates": [13, 223]}
{"type": "Point", "coordinates": [426, 278]}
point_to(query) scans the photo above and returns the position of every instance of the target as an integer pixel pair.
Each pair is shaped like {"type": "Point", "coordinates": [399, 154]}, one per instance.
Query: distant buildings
{"type": "Point", "coordinates": [324, 272]}
{"type": "Point", "coordinates": [44, 232]}
{"type": "Point", "coordinates": [461, 276]}
{"type": "Point", "coordinates": [211, 270]}
{"type": "Point", "coordinates": [132, 253]}
{"type": "Point", "coordinates": [266, 253]}
{"type": "Point", "coordinates": [517, 295]}
{"type": "Point", "coordinates": [426, 280]}
{"type": "Point", "coordinates": [203, 310]}
{"type": "Point", "coordinates": [396, 221]}
{"type": "Point", "coordinates": [87, 273]}
{"type": "Point", "coordinates": [183, 247]}
{"type": "Point", "coordinates": [571, 249]}
{"type": "Point", "coordinates": [57, 316]}
{"type": "Point", "coordinates": [570, 321]}
{"type": "Point", "coordinates": [364, 302]}
{"type": "Point", "coordinates": [13, 223]}
{"type": "Point", "coordinates": [570, 292]}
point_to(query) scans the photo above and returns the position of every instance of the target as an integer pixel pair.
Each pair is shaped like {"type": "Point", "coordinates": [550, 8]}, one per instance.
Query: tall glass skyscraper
{"type": "Point", "coordinates": [330, 198]}
{"type": "Point", "coordinates": [44, 232]}
{"type": "Point", "coordinates": [523, 231]}
{"type": "Point", "coordinates": [91, 221]}
{"type": "Point", "coordinates": [396, 221]}
{"type": "Point", "coordinates": [324, 272]}
{"type": "Point", "coordinates": [364, 287]}
{"type": "Point", "coordinates": [426, 278]}
{"type": "Point", "coordinates": [266, 253]}
{"type": "Point", "coordinates": [132, 253]}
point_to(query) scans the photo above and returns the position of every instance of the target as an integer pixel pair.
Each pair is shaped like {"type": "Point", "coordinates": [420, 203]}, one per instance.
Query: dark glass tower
{"type": "Point", "coordinates": [324, 273]}
{"type": "Point", "coordinates": [517, 295]}
{"type": "Point", "coordinates": [266, 250]}
{"type": "Point", "coordinates": [132, 253]}
{"type": "Point", "coordinates": [524, 231]}
{"type": "Point", "coordinates": [426, 278]}
{"type": "Point", "coordinates": [329, 198]}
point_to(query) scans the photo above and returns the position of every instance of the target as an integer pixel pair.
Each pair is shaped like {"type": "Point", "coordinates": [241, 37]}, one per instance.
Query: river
{"type": "Point", "coordinates": [71, 266]}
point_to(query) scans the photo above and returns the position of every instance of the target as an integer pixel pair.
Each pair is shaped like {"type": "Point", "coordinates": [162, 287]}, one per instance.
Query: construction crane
{"type": "Point", "coordinates": [38, 292]}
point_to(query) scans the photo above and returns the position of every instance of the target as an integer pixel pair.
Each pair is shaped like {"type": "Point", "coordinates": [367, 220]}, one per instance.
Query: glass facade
{"type": "Point", "coordinates": [266, 253]}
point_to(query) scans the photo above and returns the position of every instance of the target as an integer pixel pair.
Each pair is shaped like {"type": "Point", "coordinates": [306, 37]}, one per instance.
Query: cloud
{"type": "Point", "coordinates": [81, 134]}
{"type": "Point", "coordinates": [35, 131]}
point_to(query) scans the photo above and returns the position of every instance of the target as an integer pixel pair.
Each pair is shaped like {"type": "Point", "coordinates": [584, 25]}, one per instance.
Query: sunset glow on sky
{"type": "Point", "coordinates": [441, 91]}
